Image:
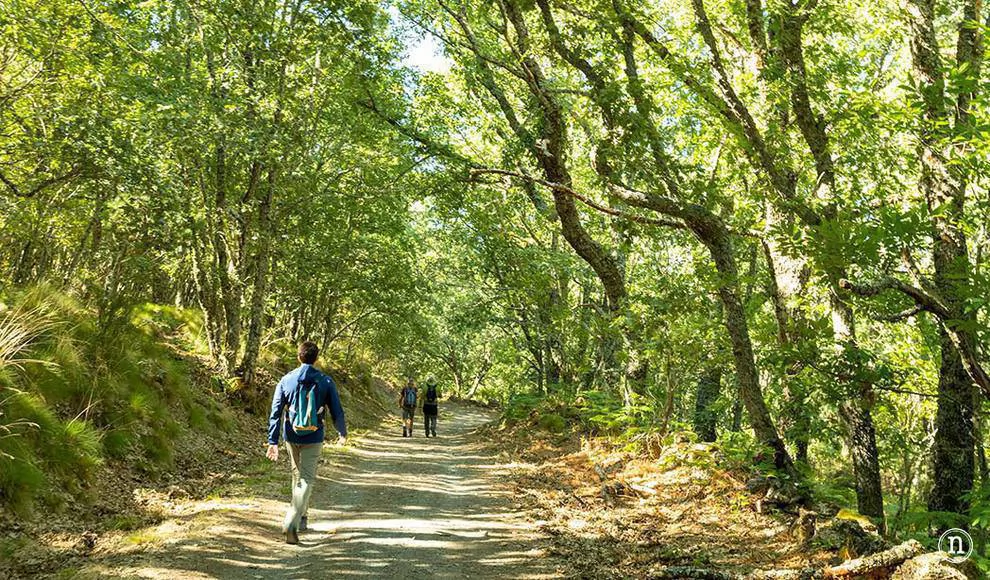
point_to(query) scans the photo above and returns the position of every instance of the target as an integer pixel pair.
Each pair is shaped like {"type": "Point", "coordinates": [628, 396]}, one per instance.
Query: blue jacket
{"type": "Point", "coordinates": [285, 395]}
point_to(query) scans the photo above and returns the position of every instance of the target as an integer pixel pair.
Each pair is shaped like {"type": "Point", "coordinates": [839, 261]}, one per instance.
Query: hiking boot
{"type": "Point", "coordinates": [303, 524]}
{"type": "Point", "coordinates": [434, 433]}
{"type": "Point", "coordinates": [291, 536]}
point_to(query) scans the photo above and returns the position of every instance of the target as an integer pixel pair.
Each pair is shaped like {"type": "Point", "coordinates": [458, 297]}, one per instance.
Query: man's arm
{"type": "Point", "coordinates": [275, 418]}
{"type": "Point", "coordinates": [336, 409]}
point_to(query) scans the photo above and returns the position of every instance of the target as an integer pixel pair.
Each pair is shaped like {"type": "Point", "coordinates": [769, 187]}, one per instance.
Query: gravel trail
{"type": "Point", "coordinates": [387, 507]}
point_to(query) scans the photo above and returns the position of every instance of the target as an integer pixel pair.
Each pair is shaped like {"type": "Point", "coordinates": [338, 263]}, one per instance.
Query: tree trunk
{"type": "Point", "coordinates": [855, 414]}
{"type": "Point", "coordinates": [981, 452]}
{"type": "Point", "coordinates": [551, 338]}
{"type": "Point", "coordinates": [709, 388]}
{"type": "Point", "coordinates": [714, 234]}
{"type": "Point", "coordinates": [227, 287]}
{"type": "Point", "coordinates": [786, 283]}
{"type": "Point", "coordinates": [549, 150]}
{"type": "Point", "coordinates": [206, 296]}
{"type": "Point", "coordinates": [861, 437]}
{"type": "Point", "coordinates": [944, 188]}
{"type": "Point", "coordinates": [955, 439]}
{"type": "Point", "coordinates": [719, 244]}
{"type": "Point", "coordinates": [954, 445]}
{"type": "Point", "coordinates": [668, 406]}
{"type": "Point", "coordinates": [458, 388]}
{"type": "Point", "coordinates": [737, 411]}
{"type": "Point", "coordinates": [877, 565]}
{"type": "Point", "coordinates": [262, 262]}
{"type": "Point", "coordinates": [479, 377]}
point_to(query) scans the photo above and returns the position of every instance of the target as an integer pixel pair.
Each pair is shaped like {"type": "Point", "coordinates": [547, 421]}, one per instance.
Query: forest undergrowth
{"type": "Point", "coordinates": [107, 429]}
{"type": "Point", "coordinates": [636, 503]}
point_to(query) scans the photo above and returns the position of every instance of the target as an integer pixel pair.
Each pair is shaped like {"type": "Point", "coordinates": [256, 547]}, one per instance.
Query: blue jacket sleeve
{"type": "Point", "coordinates": [275, 419]}
{"type": "Point", "coordinates": [336, 410]}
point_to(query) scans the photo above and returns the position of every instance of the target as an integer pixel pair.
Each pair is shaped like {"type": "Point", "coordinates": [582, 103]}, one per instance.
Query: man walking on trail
{"type": "Point", "coordinates": [306, 394]}
{"type": "Point", "coordinates": [431, 406]}
{"type": "Point", "coordinates": [407, 400]}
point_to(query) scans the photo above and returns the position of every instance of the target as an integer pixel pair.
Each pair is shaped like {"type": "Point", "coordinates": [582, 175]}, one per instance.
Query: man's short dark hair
{"type": "Point", "coordinates": [308, 351]}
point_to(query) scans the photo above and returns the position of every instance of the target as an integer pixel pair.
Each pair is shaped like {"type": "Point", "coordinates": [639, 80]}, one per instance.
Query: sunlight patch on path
{"type": "Point", "coordinates": [388, 507]}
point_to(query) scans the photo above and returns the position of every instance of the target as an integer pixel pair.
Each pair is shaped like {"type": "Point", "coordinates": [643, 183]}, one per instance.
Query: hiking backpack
{"type": "Point", "coordinates": [307, 408]}
{"type": "Point", "coordinates": [409, 397]}
{"type": "Point", "coordinates": [431, 394]}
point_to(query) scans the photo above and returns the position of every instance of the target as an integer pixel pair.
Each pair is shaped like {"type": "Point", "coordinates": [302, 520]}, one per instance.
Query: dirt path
{"type": "Point", "coordinates": [387, 507]}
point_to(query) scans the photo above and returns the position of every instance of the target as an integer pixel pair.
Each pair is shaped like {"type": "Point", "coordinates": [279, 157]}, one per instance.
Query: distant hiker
{"type": "Point", "coordinates": [431, 407]}
{"type": "Point", "coordinates": [305, 393]}
{"type": "Point", "coordinates": [407, 400]}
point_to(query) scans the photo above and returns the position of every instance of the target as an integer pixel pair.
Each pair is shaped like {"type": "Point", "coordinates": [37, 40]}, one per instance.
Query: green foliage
{"type": "Point", "coordinates": [919, 524]}
{"type": "Point", "coordinates": [552, 422]}
{"type": "Point", "coordinates": [742, 452]}
{"type": "Point", "coordinates": [20, 478]}
{"type": "Point", "coordinates": [979, 523]}
{"type": "Point", "coordinates": [95, 396]}
{"type": "Point", "coordinates": [183, 326]}
{"type": "Point", "coordinates": [521, 405]}
{"type": "Point", "coordinates": [979, 511]}
{"type": "Point", "coordinates": [607, 413]}
{"type": "Point", "coordinates": [273, 172]}
{"type": "Point", "coordinates": [835, 491]}
{"type": "Point", "coordinates": [118, 443]}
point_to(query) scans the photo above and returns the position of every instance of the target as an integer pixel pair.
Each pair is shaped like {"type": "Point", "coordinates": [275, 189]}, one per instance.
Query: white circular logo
{"type": "Point", "coordinates": [957, 544]}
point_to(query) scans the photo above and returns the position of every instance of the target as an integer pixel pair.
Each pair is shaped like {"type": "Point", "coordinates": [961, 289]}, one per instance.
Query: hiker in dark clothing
{"type": "Point", "coordinates": [431, 408]}
{"type": "Point", "coordinates": [298, 408]}
{"type": "Point", "coordinates": [407, 400]}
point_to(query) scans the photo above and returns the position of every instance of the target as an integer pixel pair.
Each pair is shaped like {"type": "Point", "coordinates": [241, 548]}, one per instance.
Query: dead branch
{"type": "Point", "coordinates": [886, 560]}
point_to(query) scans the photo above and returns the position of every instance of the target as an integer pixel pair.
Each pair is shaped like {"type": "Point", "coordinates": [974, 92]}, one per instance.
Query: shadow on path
{"type": "Point", "coordinates": [390, 507]}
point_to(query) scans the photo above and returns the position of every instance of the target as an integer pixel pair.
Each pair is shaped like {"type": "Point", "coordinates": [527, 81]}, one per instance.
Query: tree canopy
{"type": "Point", "coordinates": [733, 216]}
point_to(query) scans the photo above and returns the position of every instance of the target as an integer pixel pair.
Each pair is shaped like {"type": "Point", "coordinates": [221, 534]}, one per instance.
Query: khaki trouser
{"type": "Point", "coordinates": [304, 459]}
